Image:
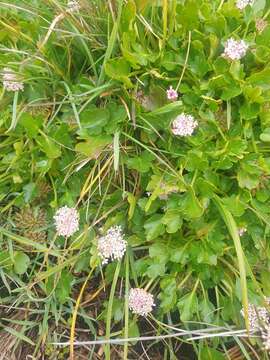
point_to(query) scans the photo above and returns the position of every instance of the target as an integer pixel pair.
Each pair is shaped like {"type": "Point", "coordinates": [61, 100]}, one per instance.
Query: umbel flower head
{"type": "Point", "coordinates": [184, 125]}
{"type": "Point", "coordinates": [73, 6]}
{"type": "Point", "coordinates": [235, 49]}
{"type": "Point", "coordinates": [112, 245]}
{"type": "Point", "coordinates": [241, 4]}
{"type": "Point", "coordinates": [172, 94]}
{"type": "Point", "coordinates": [11, 81]}
{"type": "Point", "coordinates": [257, 315]}
{"type": "Point", "coordinates": [140, 301]}
{"type": "Point", "coordinates": [66, 221]}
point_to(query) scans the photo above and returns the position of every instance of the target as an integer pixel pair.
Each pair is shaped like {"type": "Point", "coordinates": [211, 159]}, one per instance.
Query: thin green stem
{"type": "Point", "coordinates": [186, 61]}
{"type": "Point", "coordinates": [165, 21]}
{"type": "Point", "coordinates": [109, 312]}
{"type": "Point", "coordinates": [229, 114]}
{"type": "Point", "coordinates": [126, 307]}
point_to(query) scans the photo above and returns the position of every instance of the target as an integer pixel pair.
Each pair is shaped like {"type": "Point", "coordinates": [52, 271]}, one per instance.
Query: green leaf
{"type": "Point", "coordinates": [211, 354]}
{"type": "Point", "coordinates": [187, 306]}
{"type": "Point", "coordinates": [258, 6]}
{"type": "Point", "coordinates": [93, 119]}
{"type": "Point", "coordinates": [154, 227]}
{"type": "Point", "coordinates": [128, 15]}
{"type": "Point", "coordinates": [21, 262]}
{"type": "Point", "coordinates": [141, 163]}
{"type": "Point", "coordinates": [191, 205]}
{"type": "Point", "coordinates": [265, 136]}
{"type": "Point", "coordinates": [263, 39]}
{"type": "Point", "coordinates": [231, 92]}
{"type": "Point", "coordinates": [94, 145]}
{"type": "Point", "coordinates": [247, 180]}
{"type": "Point", "coordinates": [235, 205]}
{"type": "Point", "coordinates": [188, 15]}
{"type": "Point", "coordinates": [173, 221]}
{"type": "Point", "coordinates": [261, 79]}
{"type": "Point", "coordinates": [168, 295]}
{"type": "Point", "coordinates": [31, 124]}
{"type": "Point", "coordinates": [64, 286]}
{"type": "Point", "coordinates": [156, 270]}
{"type": "Point", "coordinates": [49, 147]}
{"type": "Point", "coordinates": [119, 69]}
{"type": "Point", "coordinates": [250, 111]}
{"type": "Point", "coordinates": [30, 191]}
{"type": "Point", "coordinates": [133, 331]}
{"type": "Point", "coordinates": [132, 200]}
{"type": "Point", "coordinates": [157, 251]}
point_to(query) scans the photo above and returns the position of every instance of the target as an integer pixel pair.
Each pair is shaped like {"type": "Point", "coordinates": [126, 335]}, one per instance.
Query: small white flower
{"type": "Point", "coordinates": [140, 301]}
{"type": "Point", "coordinates": [257, 315]}
{"type": "Point", "coordinates": [235, 49]}
{"type": "Point", "coordinates": [172, 94]}
{"type": "Point", "coordinates": [242, 231]}
{"type": "Point", "coordinates": [184, 125]}
{"type": "Point", "coordinates": [73, 6]}
{"type": "Point", "coordinates": [112, 246]}
{"type": "Point", "coordinates": [66, 221]}
{"type": "Point", "coordinates": [241, 4]}
{"type": "Point", "coordinates": [11, 81]}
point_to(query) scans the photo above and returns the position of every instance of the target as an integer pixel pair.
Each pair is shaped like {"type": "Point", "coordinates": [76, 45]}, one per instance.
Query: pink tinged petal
{"type": "Point", "coordinates": [184, 125]}
{"type": "Point", "coordinates": [140, 301]}
{"type": "Point", "coordinates": [112, 246]}
{"type": "Point", "coordinates": [66, 221]}
{"type": "Point", "coordinates": [172, 94]}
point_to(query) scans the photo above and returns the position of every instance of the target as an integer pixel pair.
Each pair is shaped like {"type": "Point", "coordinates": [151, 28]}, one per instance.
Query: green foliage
{"type": "Point", "coordinates": [92, 129]}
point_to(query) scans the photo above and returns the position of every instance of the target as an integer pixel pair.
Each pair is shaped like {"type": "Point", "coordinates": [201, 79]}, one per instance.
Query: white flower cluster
{"type": "Point", "coordinates": [241, 4]}
{"type": "Point", "coordinates": [73, 6]}
{"type": "Point", "coordinates": [66, 221]}
{"type": "Point", "coordinates": [140, 301]}
{"type": "Point", "coordinates": [235, 49]}
{"type": "Point", "coordinates": [11, 81]}
{"type": "Point", "coordinates": [184, 125]}
{"type": "Point", "coordinates": [112, 246]}
{"type": "Point", "coordinates": [257, 315]}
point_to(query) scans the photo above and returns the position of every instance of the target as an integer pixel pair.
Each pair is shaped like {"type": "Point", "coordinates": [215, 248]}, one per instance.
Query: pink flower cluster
{"type": "Point", "coordinates": [140, 301]}
{"type": "Point", "coordinates": [66, 221]}
{"type": "Point", "coordinates": [235, 49]}
{"type": "Point", "coordinates": [10, 81]}
{"type": "Point", "coordinates": [172, 94]}
{"type": "Point", "coordinates": [112, 246]}
{"type": "Point", "coordinates": [184, 125]}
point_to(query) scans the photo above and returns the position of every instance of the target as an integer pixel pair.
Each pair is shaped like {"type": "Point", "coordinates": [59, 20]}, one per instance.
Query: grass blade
{"type": "Point", "coordinates": [116, 151]}
{"type": "Point", "coordinates": [231, 225]}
